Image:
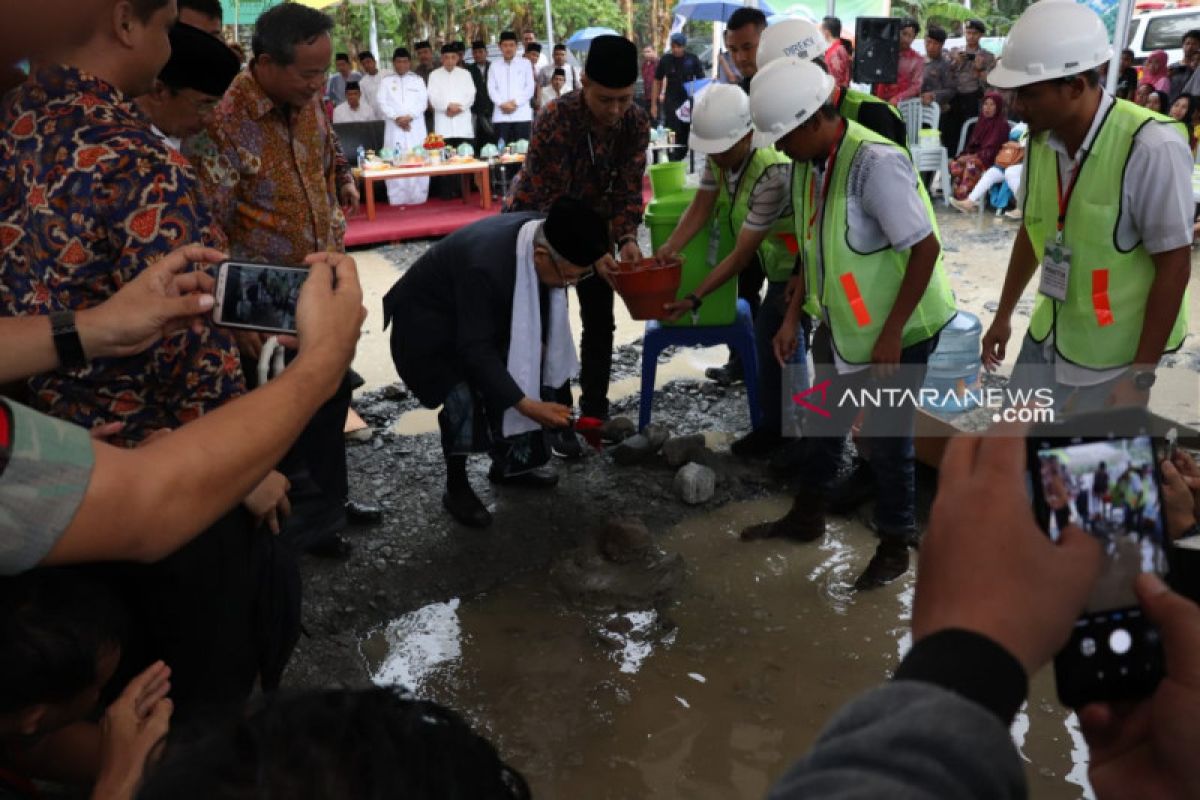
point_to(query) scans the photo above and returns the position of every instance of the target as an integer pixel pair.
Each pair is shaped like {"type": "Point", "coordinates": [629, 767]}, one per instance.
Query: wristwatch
{"type": "Point", "coordinates": [695, 301]}
{"type": "Point", "coordinates": [1143, 379]}
{"type": "Point", "coordinates": [66, 340]}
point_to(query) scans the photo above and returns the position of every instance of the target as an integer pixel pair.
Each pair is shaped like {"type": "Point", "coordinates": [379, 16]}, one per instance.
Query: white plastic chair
{"type": "Point", "coordinates": [928, 154]}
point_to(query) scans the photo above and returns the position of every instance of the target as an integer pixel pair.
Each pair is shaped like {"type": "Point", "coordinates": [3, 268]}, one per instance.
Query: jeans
{"type": "Point", "coordinates": [892, 456]}
{"type": "Point", "coordinates": [770, 374]}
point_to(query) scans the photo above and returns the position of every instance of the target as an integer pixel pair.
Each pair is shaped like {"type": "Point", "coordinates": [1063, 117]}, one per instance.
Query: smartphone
{"type": "Point", "coordinates": [1109, 486]}
{"type": "Point", "coordinates": [258, 297]}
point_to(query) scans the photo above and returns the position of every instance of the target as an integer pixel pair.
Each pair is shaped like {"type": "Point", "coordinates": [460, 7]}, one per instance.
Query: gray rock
{"type": "Point", "coordinates": [395, 391]}
{"type": "Point", "coordinates": [633, 450]}
{"type": "Point", "coordinates": [695, 484]}
{"type": "Point", "coordinates": [624, 541]}
{"type": "Point", "coordinates": [679, 450]}
{"type": "Point", "coordinates": [618, 429]}
{"type": "Point", "coordinates": [657, 436]}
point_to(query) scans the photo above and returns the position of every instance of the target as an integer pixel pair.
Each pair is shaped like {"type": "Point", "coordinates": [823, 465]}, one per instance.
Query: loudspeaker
{"type": "Point", "coordinates": [876, 49]}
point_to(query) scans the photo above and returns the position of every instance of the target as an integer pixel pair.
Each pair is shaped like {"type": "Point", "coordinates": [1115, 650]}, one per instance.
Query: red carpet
{"type": "Point", "coordinates": [431, 219]}
{"type": "Point", "coordinates": [398, 223]}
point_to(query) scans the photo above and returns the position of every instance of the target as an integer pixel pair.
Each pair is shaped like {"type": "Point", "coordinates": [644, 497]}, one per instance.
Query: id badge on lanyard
{"type": "Point", "coordinates": [1056, 263]}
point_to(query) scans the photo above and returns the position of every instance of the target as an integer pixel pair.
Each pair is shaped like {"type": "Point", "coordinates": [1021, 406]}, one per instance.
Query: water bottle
{"type": "Point", "coordinates": [500, 145]}
{"type": "Point", "coordinates": [362, 156]}
{"type": "Point", "coordinates": [794, 381]}
{"type": "Point", "coordinates": [954, 367]}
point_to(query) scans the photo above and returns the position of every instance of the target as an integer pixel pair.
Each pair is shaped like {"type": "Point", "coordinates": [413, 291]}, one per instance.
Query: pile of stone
{"type": "Point", "coordinates": [695, 480]}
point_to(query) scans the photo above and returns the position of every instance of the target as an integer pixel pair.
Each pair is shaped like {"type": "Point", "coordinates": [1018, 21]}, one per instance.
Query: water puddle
{"type": "Point", "coordinates": [685, 363]}
{"type": "Point", "coordinates": [712, 697]}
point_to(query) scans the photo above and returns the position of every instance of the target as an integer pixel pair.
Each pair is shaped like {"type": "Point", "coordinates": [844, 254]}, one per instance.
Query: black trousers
{"type": "Point", "coordinates": [962, 108]}
{"type": "Point", "coordinates": [595, 349]}
{"type": "Point", "coordinates": [512, 131]}
{"type": "Point", "coordinates": [196, 610]}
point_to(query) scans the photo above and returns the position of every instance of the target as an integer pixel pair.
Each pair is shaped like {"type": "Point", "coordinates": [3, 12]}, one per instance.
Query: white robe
{"type": "Point", "coordinates": [404, 96]}
{"type": "Point", "coordinates": [370, 87]}
{"type": "Point", "coordinates": [455, 86]}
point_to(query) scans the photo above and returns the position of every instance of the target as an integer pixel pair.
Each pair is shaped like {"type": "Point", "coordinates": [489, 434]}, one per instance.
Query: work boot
{"type": "Point", "coordinates": [804, 522]}
{"type": "Point", "coordinates": [889, 562]}
{"type": "Point", "coordinates": [466, 507]}
{"type": "Point", "coordinates": [857, 488]}
{"type": "Point", "coordinates": [758, 443]}
{"type": "Point", "coordinates": [728, 374]}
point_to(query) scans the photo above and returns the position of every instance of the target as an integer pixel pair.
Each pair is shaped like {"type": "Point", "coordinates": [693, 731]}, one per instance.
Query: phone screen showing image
{"type": "Point", "coordinates": [1109, 488]}
{"type": "Point", "coordinates": [259, 297]}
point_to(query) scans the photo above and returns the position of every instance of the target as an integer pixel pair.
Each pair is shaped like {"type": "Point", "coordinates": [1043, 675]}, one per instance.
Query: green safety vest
{"type": "Point", "coordinates": [777, 259]}
{"type": "Point", "coordinates": [857, 290]}
{"type": "Point", "coordinates": [850, 106]}
{"type": "Point", "coordinates": [1101, 321]}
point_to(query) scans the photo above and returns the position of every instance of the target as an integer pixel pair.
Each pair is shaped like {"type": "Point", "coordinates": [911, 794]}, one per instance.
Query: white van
{"type": "Point", "coordinates": [1161, 30]}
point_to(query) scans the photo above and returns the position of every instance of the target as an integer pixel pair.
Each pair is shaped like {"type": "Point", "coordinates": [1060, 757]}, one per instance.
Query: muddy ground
{"type": "Point", "coordinates": [420, 556]}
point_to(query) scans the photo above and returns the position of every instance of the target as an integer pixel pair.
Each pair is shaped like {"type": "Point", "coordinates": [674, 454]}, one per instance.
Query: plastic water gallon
{"type": "Point", "coordinates": [954, 366]}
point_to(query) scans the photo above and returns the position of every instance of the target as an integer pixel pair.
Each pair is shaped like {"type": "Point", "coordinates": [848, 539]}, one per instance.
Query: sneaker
{"type": "Point", "coordinates": [1015, 213]}
{"type": "Point", "coordinates": [758, 443]}
{"type": "Point", "coordinates": [889, 562]}
{"type": "Point", "coordinates": [965, 206]}
{"type": "Point", "coordinates": [566, 445]}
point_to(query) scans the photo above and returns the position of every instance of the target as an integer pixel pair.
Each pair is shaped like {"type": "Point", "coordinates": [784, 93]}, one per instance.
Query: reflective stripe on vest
{"type": "Point", "coordinates": [1100, 323]}
{"type": "Point", "coordinates": [777, 259]}
{"type": "Point", "coordinates": [859, 289]}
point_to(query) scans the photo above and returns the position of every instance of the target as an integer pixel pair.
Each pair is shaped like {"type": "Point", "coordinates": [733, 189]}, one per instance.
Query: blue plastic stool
{"type": "Point", "coordinates": [739, 336]}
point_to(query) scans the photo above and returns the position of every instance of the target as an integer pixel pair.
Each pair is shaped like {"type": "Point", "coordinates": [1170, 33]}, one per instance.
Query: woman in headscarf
{"type": "Point", "coordinates": [987, 137]}
{"type": "Point", "coordinates": [1154, 72]}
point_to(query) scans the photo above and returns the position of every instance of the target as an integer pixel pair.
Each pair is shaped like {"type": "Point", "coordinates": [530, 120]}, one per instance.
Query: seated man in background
{"type": "Point", "coordinates": [472, 319]}
{"type": "Point", "coordinates": [356, 108]}
{"type": "Point", "coordinates": [189, 87]}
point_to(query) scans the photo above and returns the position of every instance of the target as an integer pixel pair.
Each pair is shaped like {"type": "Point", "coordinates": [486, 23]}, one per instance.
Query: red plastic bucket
{"type": "Point", "coordinates": [647, 285]}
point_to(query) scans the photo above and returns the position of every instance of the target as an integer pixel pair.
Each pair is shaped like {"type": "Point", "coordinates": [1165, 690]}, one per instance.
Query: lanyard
{"type": "Point", "coordinates": [1064, 200]}
{"type": "Point", "coordinates": [812, 184]}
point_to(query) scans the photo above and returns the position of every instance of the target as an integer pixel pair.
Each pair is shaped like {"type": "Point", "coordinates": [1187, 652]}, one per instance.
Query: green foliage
{"type": "Point", "coordinates": [998, 15]}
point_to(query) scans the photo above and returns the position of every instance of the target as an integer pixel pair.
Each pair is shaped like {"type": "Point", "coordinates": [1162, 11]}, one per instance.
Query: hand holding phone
{"type": "Point", "coordinates": [1109, 487]}
{"type": "Point", "coordinates": [258, 297]}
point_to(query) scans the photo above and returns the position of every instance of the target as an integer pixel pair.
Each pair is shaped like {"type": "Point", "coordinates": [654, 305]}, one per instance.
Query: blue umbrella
{"type": "Point", "coordinates": [713, 10]}
{"type": "Point", "coordinates": [582, 39]}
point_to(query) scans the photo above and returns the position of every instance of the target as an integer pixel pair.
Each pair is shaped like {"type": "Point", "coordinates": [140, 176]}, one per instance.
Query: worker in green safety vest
{"type": "Point", "coordinates": [1108, 210]}
{"type": "Point", "coordinates": [873, 274]}
{"type": "Point", "coordinates": [753, 186]}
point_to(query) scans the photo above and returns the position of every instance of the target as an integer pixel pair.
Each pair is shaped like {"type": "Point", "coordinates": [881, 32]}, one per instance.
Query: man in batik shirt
{"type": "Point", "coordinates": [273, 174]}
{"type": "Point", "coordinates": [89, 195]}
{"type": "Point", "coordinates": [591, 144]}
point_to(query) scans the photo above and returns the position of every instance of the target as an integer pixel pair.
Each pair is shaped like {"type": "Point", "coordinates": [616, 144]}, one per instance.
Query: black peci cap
{"type": "Point", "coordinates": [612, 62]}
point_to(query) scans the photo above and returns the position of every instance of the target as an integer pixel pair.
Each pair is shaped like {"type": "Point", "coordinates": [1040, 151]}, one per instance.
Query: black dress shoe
{"type": "Point", "coordinates": [889, 562]}
{"type": "Point", "coordinates": [758, 443]}
{"type": "Point", "coordinates": [362, 513]}
{"type": "Point", "coordinates": [466, 507]}
{"type": "Point", "coordinates": [540, 478]}
{"type": "Point", "coordinates": [332, 547]}
{"type": "Point", "coordinates": [727, 374]}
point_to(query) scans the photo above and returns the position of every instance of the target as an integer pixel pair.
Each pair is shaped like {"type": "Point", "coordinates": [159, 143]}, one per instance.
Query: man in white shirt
{"type": "Point", "coordinates": [355, 109]}
{"type": "Point", "coordinates": [546, 74]}
{"type": "Point", "coordinates": [451, 93]}
{"type": "Point", "coordinates": [528, 38]}
{"type": "Point", "coordinates": [510, 85]}
{"type": "Point", "coordinates": [372, 78]}
{"type": "Point", "coordinates": [556, 89]}
{"type": "Point", "coordinates": [402, 101]}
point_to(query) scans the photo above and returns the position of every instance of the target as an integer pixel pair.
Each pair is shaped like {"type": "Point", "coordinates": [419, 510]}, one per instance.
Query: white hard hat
{"type": "Point", "coordinates": [1052, 39]}
{"type": "Point", "coordinates": [720, 119]}
{"type": "Point", "coordinates": [784, 95]}
{"type": "Point", "coordinates": [791, 38]}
